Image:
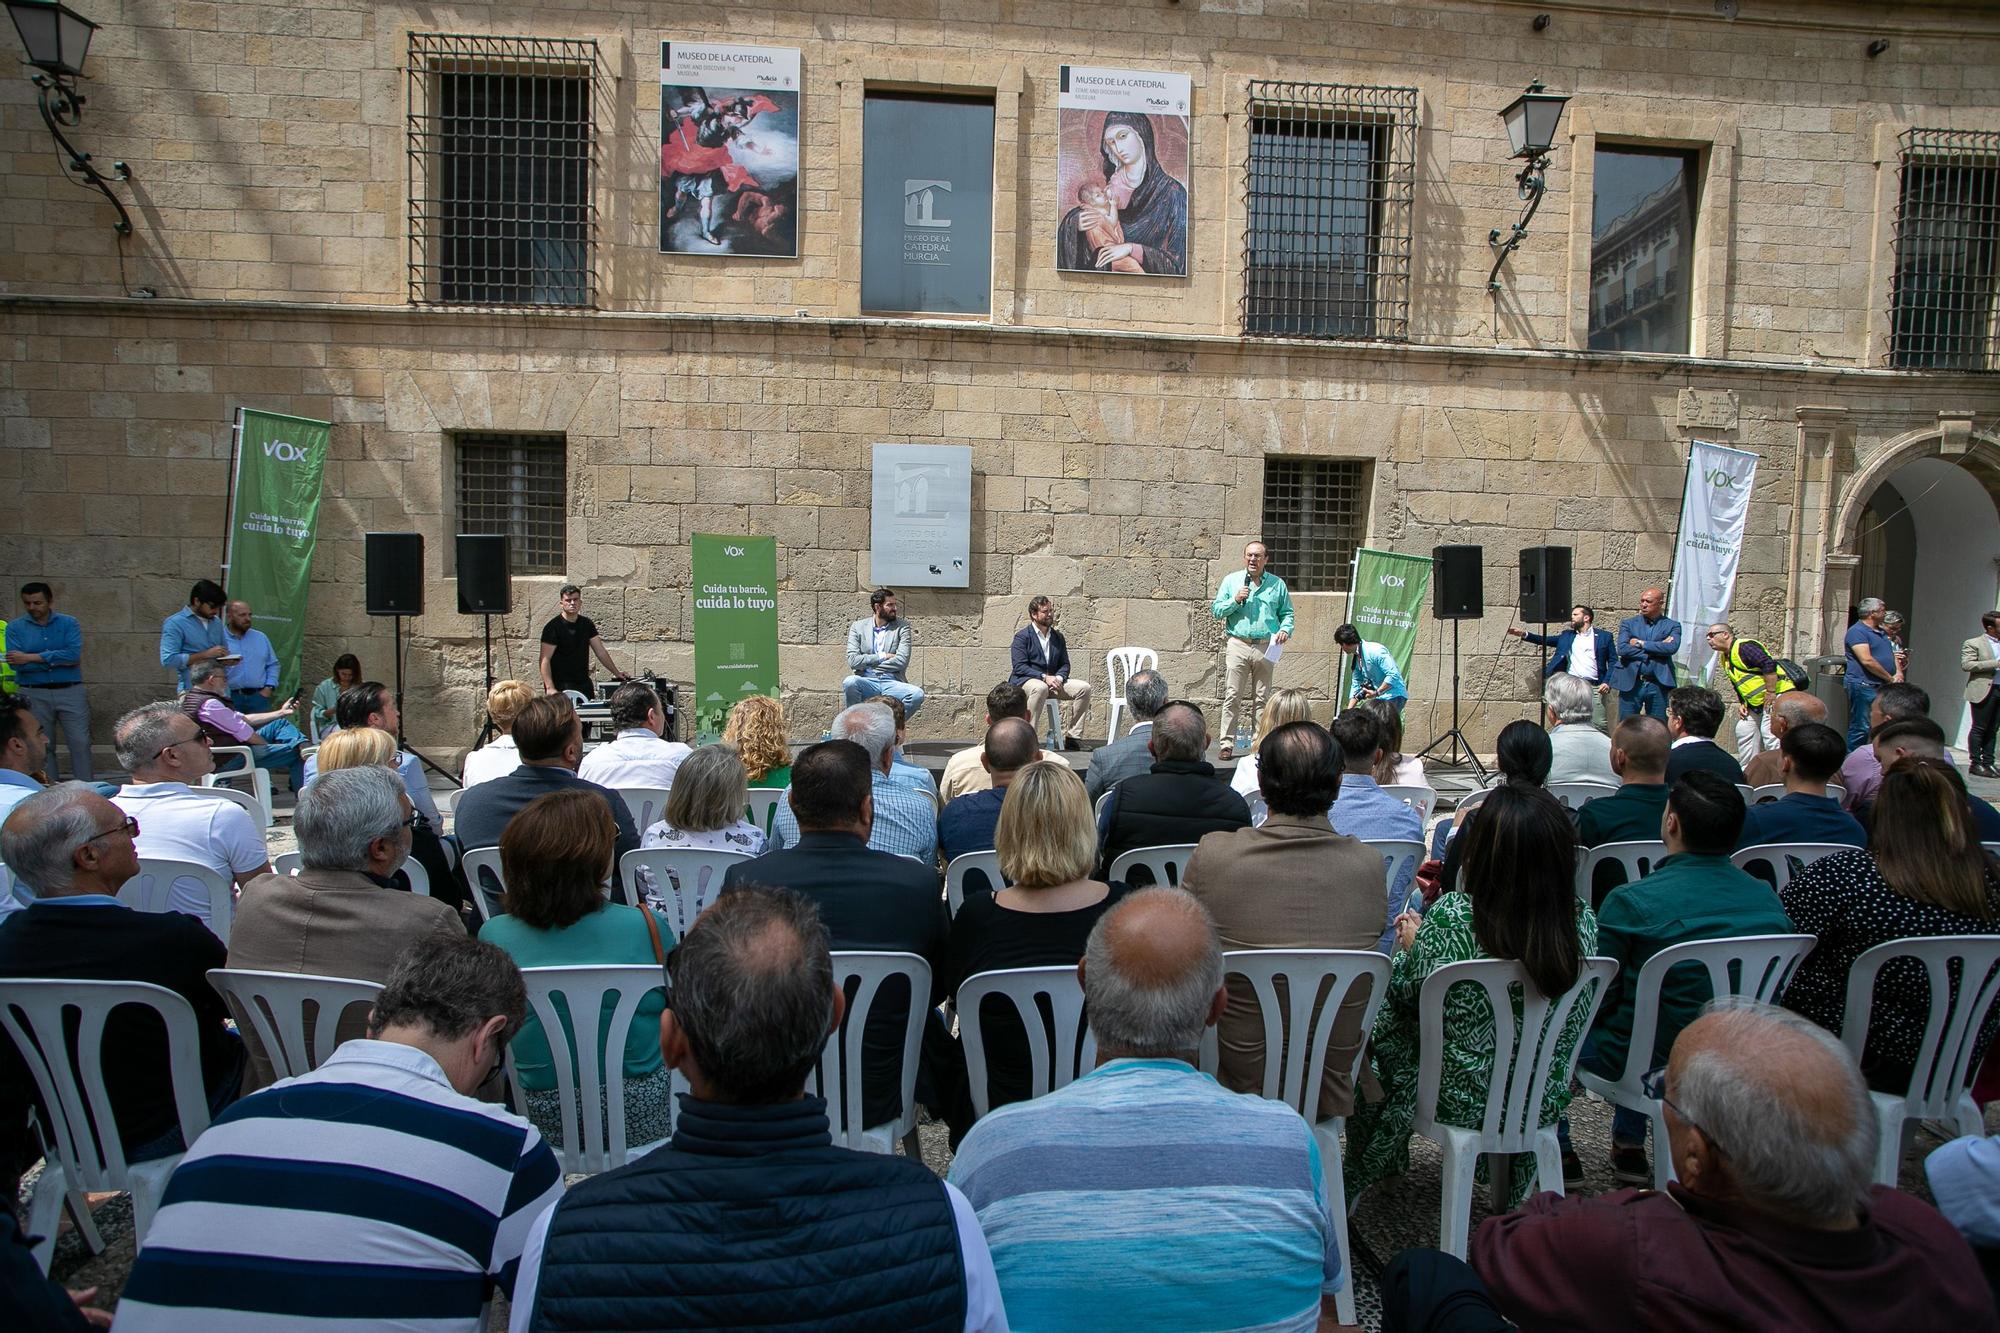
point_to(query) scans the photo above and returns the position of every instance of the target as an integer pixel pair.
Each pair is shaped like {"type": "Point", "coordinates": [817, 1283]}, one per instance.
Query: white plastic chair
{"type": "Point", "coordinates": [1396, 857]}
{"type": "Point", "coordinates": [647, 804]}
{"type": "Point", "coordinates": [1941, 1081]}
{"type": "Point", "coordinates": [259, 779]}
{"type": "Point", "coordinates": [762, 809]}
{"type": "Point", "coordinates": [839, 1073]}
{"type": "Point", "coordinates": [683, 879]}
{"type": "Point", "coordinates": [252, 805]}
{"type": "Point", "coordinates": [290, 863]}
{"type": "Point", "coordinates": [484, 861]}
{"type": "Point", "coordinates": [1574, 794]}
{"type": "Point", "coordinates": [1837, 792]}
{"type": "Point", "coordinates": [1638, 858]}
{"type": "Point", "coordinates": [1770, 791]}
{"type": "Point", "coordinates": [1097, 808]}
{"type": "Point", "coordinates": [1764, 965]}
{"type": "Point", "coordinates": [1301, 1025]}
{"type": "Point", "coordinates": [577, 697]}
{"type": "Point", "coordinates": [600, 1146]}
{"type": "Point", "coordinates": [1060, 1047]}
{"type": "Point", "coordinates": [1053, 707]}
{"type": "Point", "coordinates": [273, 1005]}
{"type": "Point", "coordinates": [982, 867]}
{"type": "Point", "coordinates": [1745, 790]}
{"type": "Point", "coordinates": [1472, 798]}
{"type": "Point", "coordinates": [82, 1156]}
{"type": "Point", "coordinates": [1776, 862]}
{"type": "Point", "coordinates": [1524, 1063]}
{"type": "Point", "coordinates": [152, 888]}
{"type": "Point", "coordinates": [1165, 861]}
{"type": "Point", "coordinates": [1423, 800]}
{"type": "Point", "coordinates": [1119, 666]}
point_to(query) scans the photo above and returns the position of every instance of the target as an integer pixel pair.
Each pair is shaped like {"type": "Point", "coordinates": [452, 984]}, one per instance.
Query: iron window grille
{"type": "Point", "coordinates": [513, 485]}
{"type": "Point", "coordinates": [1315, 512]}
{"type": "Point", "coordinates": [1942, 307]}
{"type": "Point", "coordinates": [503, 148]}
{"type": "Point", "coordinates": [1330, 185]}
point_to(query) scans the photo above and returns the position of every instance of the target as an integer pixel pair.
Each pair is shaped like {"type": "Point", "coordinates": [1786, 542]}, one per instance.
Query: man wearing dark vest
{"type": "Point", "coordinates": [1178, 801]}
{"type": "Point", "coordinates": [274, 742]}
{"type": "Point", "coordinates": [1753, 671]}
{"type": "Point", "coordinates": [749, 1216]}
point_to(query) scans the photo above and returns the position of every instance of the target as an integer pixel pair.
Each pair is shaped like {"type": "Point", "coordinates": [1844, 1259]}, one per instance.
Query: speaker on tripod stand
{"type": "Point", "coordinates": [393, 585]}
{"type": "Point", "coordinates": [484, 590]}
{"type": "Point", "coordinates": [1457, 593]}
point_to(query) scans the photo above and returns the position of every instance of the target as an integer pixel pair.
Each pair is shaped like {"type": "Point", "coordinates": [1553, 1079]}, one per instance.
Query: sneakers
{"type": "Point", "coordinates": [1572, 1170]}
{"type": "Point", "coordinates": [1629, 1165]}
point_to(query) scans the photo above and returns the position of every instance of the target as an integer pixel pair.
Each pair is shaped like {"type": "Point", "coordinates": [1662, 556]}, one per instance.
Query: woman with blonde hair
{"type": "Point", "coordinates": [369, 747]}
{"type": "Point", "coordinates": [705, 806]}
{"type": "Point", "coordinates": [1287, 705]}
{"type": "Point", "coordinates": [1046, 841]}
{"type": "Point", "coordinates": [498, 757]}
{"type": "Point", "coordinates": [756, 728]}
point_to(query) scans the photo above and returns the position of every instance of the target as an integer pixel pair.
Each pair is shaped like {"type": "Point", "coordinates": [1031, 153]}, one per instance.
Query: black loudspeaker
{"type": "Point", "coordinates": [484, 589]}
{"type": "Point", "coordinates": [1456, 591]}
{"type": "Point", "coordinates": [395, 573]}
{"type": "Point", "coordinates": [1545, 594]}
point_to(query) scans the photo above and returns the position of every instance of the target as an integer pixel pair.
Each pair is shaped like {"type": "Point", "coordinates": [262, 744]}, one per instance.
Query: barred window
{"type": "Point", "coordinates": [1331, 177]}
{"type": "Point", "coordinates": [1315, 514]}
{"type": "Point", "coordinates": [503, 142]}
{"type": "Point", "coordinates": [1641, 248]}
{"type": "Point", "coordinates": [1942, 307]}
{"type": "Point", "coordinates": [513, 485]}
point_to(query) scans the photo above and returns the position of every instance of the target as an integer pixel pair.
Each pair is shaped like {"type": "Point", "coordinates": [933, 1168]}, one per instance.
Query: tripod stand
{"type": "Point", "coordinates": [423, 758]}
{"type": "Point", "coordinates": [487, 730]}
{"type": "Point", "coordinates": [1455, 737]}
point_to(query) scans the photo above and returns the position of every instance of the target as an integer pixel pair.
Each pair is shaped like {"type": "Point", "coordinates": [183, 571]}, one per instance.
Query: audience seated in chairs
{"type": "Point", "coordinates": [555, 856]}
{"type": "Point", "coordinates": [370, 704]}
{"type": "Point", "coordinates": [1920, 738]}
{"type": "Point", "coordinates": [1173, 1202]}
{"type": "Point", "coordinates": [756, 727]}
{"type": "Point", "coordinates": [968, 823]}
{"type": "Point", "coordinates": [1293, 883]}
{"type": "Point", "coordinates": [1772, 1224]}
{"type": "Point", "coordinates": [499, 757]}
{"type": "Point", "coordinates": [1130, 754]}
{"type": "Point", "coordinates": [1581, 752]}
{"type": "Point", "coordinates": [1633, 812]}
{"type": "Point", "coordinates": [1394, 768]}
{"type": "Point", "coordinates": [326, 695]}
{"type": "Point", "coordinates": [1924, 873]}
{"type": "Point", "coordinates": [963, 773]}
{"type": "Point", "coordinates": [23, 746]}
{"type": "Point", "coordinates": [376, 1191]}
{"type": "Point", "coordinates": [1047, 846]}
{"type": "Point", "coordinates": [705, 807]}
{"type": "Point", "coordinates": [1696, 893]}
{"type": "Point", "coordinates": [1365, 811]}
{"type": "Point", "coordinates": [1518, 902]}
{"type": "Point", "coordinates": [748, 1216]}
{"type": "Point", "coordinates": [1523, 755]}
{"type": "Point", "coordinates": [550, 739]}
{"type": "Point", "coordinates": [641, 754]}
{"type": "Point", "coordinates": [1287, 705]}
{"type": "Point", "coordinates": [1809, 754]}
{"type": "Point", "coordinates": [73, 849]}
{"type": "Point", "coordinates": [1177, 800]}
{"type": "Point", "coordinates": [1694, 715]}
{"type": "Point", "coordinates": [167, 753]}
{"type": "Point", "coordinates": [868, 899]}
{"type": "Point", "coordinates": [902, 772]}
{"type": "Point", "coordinates": [274, 742]}
{"type": "Point", "coordinates": [365, 747]}
{"type": "Point", "coordinates": [905, 822]}
{"type": "Point", "coordinates": [341, 915]}
{"type": "Point", "coordinates": [1861, 773]}
{"type": "Point", "coordinates": [1789, 710]}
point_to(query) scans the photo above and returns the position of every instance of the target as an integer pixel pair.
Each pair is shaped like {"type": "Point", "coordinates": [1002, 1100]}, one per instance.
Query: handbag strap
{"type": "Point", "coordinates": [653, 929]}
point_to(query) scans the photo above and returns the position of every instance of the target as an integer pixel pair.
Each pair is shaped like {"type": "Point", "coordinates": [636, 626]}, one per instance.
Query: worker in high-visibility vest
{"type": "Point", "coordinates": [1754, 674]}
{"type": "Point", "coordinates": [8, 684]}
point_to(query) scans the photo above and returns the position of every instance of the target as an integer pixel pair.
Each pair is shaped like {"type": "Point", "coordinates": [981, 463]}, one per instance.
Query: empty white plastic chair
{"type": "Point", "coordinates": [84, 1149]}
{"type": "Point", "coordinates": [482, 872]}
{"type": "Point", "coordinates": [1397, 857]}
{"type": "Point", "coordinates": [1119, 666]}
{"type": "Point", "coordinates": [290, 863]}
{"type": "Point", "coordinates": [1763, 964]}
{"type": "Point", "coordinates": [1638, 858]}
{"type": "Point", "coordinates": [1318, 982]}
{"type": "Point", "coordinates": [838, 1076]}
{"type": "Point", "coordinates": [647, 804]}
{"type": "Point", "coordinates": [982, 869]}
{"type": "Point", "coordinates": [1776, 862]}
{"type": "Point", "coordinates": [762, 809]}
{"type": "Point", "coordinates": [683, 880]}
{"type": "Point", "coordinates": [590, 1142]}
{"type": "Point", "coordinates": [1060, 1047]}
{"type": "Point", "coordinates": [1165, 862]}
{"type": "Point", "coordinates": [252, 806]}
{"type": "Point", "coordinates": [1574, 794]}
{"type": "Point", "coordinates": [1423, 800]}
{"type": "Point", "coordinates": [273, 1005]}
{"type": "Point", "coordinates": [1941, 1078]}
{"type": "Point", "coordinates": [259, 780]}
{"type": "Point", "coordinates": [577, 697]}
{"type": "Point", "coordinates": [151, 890]}
{"type": "Point", "coordinates": [1524, 1063]}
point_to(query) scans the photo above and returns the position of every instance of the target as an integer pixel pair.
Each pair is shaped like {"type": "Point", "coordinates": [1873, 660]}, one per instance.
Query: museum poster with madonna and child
{"type": "Point", "coordinates": [1122, 171]}
{"type": "Point", "coordinates": [729, 150]}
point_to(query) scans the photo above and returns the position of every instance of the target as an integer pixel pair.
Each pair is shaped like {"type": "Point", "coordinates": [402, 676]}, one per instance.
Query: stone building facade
{"type": "Point", "coordinates": [1121, 428]}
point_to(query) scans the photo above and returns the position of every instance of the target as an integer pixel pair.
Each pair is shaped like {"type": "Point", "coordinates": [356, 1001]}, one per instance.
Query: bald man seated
{"type": "Point", "coordinates": [1791, 710]}
{"type": "Point", "coordinates": [967, 823]}
{"type": "Point", "coordinates": [1773, 1223]}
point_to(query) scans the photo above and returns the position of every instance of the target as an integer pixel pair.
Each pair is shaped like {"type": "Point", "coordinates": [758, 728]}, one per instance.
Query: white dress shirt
{"type": "Point", "coordinates": [1583, 656]}
{"type": "Point", "coordinates": [177, 823]}
{"type": "Point", "coordinates": [495, 759]}
{"type": "Point", "coordinates": [634, 758]}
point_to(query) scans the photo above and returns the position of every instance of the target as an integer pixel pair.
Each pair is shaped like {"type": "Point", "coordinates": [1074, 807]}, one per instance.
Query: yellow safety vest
{"type": "Point", "coordinates": [7, 684]}
{"type": "Point", "coordinates": [1750, 684]}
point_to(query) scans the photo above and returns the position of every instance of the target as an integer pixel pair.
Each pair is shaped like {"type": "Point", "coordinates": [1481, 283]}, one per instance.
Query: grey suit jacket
{"type": "Point", "coordinates": [1975, 658]}
{"type": "Point", "coordinates": [1113, 763]}
{"type": "Point", "coordinates": [861, 649]}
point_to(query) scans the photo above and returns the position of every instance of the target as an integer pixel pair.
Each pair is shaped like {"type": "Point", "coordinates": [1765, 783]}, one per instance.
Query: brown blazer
{"type": "Point", "coordinates": [1976, 660]}
{"type": "Point", "coordinates": [1292, 884]}
{"type": "Point", "coordinates": [327, 923]}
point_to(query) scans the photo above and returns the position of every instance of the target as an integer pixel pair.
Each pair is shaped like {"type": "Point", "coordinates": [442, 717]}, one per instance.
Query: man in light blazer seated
{"type": "Point", "coordinates": [1979, 657]}
{"type": "Point", "coordinates": [1041, 668]}
{"type": "Point", "coordinates": [878, 656]}
{"type": "Point", "coordinates": [1581, 650]}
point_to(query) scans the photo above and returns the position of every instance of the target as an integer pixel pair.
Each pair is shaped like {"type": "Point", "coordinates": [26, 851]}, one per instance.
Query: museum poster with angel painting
{"type": "Point", "coordinates": [1122, 171]}
{"type": "Point", "coordinates": [729, 150]}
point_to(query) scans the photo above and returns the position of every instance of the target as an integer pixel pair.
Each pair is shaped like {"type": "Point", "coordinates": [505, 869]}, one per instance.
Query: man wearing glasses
{"type": "Point", "coordinates": [167, 754]}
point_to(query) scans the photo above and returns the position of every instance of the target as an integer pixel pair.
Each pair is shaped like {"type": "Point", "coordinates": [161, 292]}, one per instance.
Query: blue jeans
{"type": "Point", "coordinates": [1648, 697]}
{"type": "Point", "coordinates": [1861, 692]}
{"type": "Point", "coordinates": [855, 689]}
{"type": "Point", "coordinates": [1628, 1128]}
{"type": "Point", "coordinates": [281, 750]}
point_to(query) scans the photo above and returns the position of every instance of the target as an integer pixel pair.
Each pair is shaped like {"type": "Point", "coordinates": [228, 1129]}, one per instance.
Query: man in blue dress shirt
{"type": "Point", "coordinates": [45, 648]}
{"type": "Point", "coordinates": [1376, 675]}
{"type": "Point", "coordinates": [194, 633]}
{"type": "Point", "coordinates": [1647, 643]}
{"type": "Point", "coordinates": [253, 682]}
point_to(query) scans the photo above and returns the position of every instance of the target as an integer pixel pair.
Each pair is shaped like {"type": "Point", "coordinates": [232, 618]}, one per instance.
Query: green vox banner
{"type": "Point", "coordinates": [1385, 600]}
{"type": "Point", "coordinates": [273, 516]}
{"type": "Point", "coordinates": [735, 625]}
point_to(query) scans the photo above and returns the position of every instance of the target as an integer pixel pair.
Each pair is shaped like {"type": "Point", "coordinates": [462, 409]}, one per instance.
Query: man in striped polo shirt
{"type": "Point", "coordinates": [373, 1192]}
{"type": "Point", "coordinates": [1144, 1195]}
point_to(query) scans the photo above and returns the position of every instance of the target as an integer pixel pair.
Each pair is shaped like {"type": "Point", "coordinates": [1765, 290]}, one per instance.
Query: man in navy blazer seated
{"type": "Point", "coordinates": [1582, 650]}
{"type": "Point", "coordinates": [1041, 669]}
{"type": "Point", "coordinates": [1647, 643]}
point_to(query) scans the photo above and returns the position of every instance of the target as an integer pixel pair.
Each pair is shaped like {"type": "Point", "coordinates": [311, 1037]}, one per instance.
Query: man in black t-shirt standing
{"type": "Point", "coordinates": [568, 641]}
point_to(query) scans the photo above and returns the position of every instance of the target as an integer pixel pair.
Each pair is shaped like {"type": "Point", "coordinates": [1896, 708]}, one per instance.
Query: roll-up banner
{"type": "Point", "coordinates": [1385, 604]}
{"type": "Point", "coordinates": [1710, 544]}
{"type": "Point", "coordinates": [735, 625]}
{"type": "Point", "coordinates": [273, 520]}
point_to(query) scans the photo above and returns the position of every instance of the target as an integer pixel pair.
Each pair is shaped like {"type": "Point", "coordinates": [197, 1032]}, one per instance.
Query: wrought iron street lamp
{"type": "Point", "coordinates": [57, 38]}
{"type": "Point", "coordinates": [1531, 121]}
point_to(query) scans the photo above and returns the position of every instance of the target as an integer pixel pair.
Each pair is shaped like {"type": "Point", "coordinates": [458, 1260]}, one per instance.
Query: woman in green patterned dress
{"type": "Point", "coordinates": [1519, 902]}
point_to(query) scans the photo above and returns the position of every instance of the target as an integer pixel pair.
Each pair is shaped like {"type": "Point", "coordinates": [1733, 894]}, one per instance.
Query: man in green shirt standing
{"type": "Point", "coordinates": [1256, 612]}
